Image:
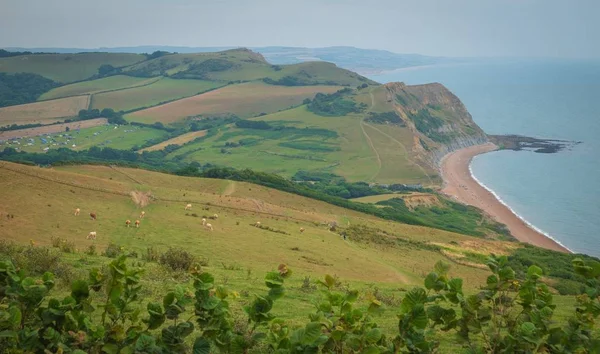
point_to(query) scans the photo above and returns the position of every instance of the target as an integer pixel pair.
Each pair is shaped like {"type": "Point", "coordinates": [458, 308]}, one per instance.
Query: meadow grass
{"type": "Point", "coordinates": [94, 86]}
{"type": "Point", "coordinates": [161, 91]}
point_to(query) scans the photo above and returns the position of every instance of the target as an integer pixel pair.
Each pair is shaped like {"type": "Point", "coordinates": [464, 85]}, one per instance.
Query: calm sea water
{"type": "Point", "coordinates": [558, 194]}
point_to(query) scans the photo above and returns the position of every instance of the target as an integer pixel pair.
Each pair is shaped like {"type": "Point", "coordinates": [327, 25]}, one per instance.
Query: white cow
{"type": "Point", "coordinates": [188, 207]}
{"type": "Point", "coordinates": [209, 226]}
{"type": "Point", "coordinates": [91, 235]}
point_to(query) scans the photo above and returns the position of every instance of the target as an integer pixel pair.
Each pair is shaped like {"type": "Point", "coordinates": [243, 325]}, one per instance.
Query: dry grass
{"type": "Point", "coordinates": [244, 100]}
{"type": "Point", "coordinates": [179, 140]}
{"type": "Point", "coordinates": [51, 129]}
{"type": "Point", "coordinates": [141, 199]}
{"type": "Point", "coordinates": [42, 202]}
{"type": "Point", "coordinates": [43, 112]}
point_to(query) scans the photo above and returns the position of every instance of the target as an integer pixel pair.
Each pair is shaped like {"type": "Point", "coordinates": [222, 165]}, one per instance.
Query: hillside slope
{"type": "Point", "coordinates": [52, 195]}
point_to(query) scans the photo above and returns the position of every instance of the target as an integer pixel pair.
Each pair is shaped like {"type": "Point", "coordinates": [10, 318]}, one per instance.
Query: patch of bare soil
{"type": "Point", "coordinates": [141, 199]}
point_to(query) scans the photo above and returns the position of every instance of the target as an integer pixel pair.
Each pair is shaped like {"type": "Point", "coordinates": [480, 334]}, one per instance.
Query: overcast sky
{"type": "Point", "coordinates": [551, 28]}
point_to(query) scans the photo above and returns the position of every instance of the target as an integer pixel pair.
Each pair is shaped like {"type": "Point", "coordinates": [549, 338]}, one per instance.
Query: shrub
{"type": "Point", "coordinates": [55, 241]}
{"type": "Point", "coordinates": [177, 259]}
{"type": "Point", "coordinates": [67, 246]}
{"type": "Point", "coordinates": [112, 250]}
{"type": "Point", "coordinates": [91, 250]}
{"type": "Point", "coordinates": [151, 255]}
{"type": "Point", "coordinates": [38, 260]}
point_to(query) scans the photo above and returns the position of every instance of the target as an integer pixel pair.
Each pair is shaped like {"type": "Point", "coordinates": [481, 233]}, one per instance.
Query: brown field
{"type": "Point", "coordinates": [46, 112]}
{"type": "Point", "coordinates": [51, 129]}
{"type": "Point", "coordinates": [245, 100]}
{"type": "Point", "coordinates": [178, 140]}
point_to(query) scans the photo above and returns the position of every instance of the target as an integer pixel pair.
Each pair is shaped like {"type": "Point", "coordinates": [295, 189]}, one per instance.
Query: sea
{"type": "Point", "coordinates": [557, 194]}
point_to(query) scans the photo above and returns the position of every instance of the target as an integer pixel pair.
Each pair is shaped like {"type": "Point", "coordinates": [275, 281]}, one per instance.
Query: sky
{"type": "Point", "coordinates": [516, 28]}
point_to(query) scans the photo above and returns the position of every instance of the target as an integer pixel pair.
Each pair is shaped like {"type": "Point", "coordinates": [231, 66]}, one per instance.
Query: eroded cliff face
{"type": "Point", "coordinates": [438, 119]}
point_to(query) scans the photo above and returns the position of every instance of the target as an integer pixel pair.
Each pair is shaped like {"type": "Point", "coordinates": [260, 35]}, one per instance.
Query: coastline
{"type": "Point", "coordinates": [460, 184]}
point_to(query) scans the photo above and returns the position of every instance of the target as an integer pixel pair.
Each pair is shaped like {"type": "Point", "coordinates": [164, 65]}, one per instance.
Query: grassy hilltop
{"type": "Point", "coordinates": [367, 132]}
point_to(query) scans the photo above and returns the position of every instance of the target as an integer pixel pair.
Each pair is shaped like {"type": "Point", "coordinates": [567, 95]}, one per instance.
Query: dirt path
{"type": "Point", "coordinates": [230, 189]}
{"type": "Point", "coordinates": [369, 138]}
{"type": "Point", "coordinates": [405, 151]}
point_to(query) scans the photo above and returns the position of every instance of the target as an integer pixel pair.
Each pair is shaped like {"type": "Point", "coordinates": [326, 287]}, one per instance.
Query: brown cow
{"type": "Point", "coordinates": [127, 223]}
{"type": "Point", "coordinates": [137, 223]}
{"type": "Point", "coordinates": [301, 230]}
{"type": "Point", "coordinates": [93, 216]}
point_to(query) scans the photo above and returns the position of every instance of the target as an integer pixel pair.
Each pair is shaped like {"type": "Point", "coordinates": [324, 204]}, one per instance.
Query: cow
{"type": "Point", "coordinates": [142, 214]}
{"type": "Point", "coordinates": [93, 216]}
{"type": "Point", "coordinates": [137, 223]}
{"type": "Point", "coordinates": [127, 223]}
{"type": "Point", "coordinates": [188, 207]}
{"type": "Point", "coordinates": [91, 235]}
{"type": "Point", "coordinates": [77, 211]}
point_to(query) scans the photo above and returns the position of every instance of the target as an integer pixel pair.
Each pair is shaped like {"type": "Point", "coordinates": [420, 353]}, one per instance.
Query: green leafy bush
{"type": "Point", "coordinates": [505, 316]}
{"type": "Point", "coordinates": [177, 259]}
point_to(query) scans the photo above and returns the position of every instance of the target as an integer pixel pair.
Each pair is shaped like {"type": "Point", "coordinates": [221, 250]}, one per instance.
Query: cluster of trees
{"type": "Point", "coordinates": [23, 88]}
{"type": "Point", "coordinates": [202, 69]}
{"type": "Point", "coordinates": [253, 124]}
{"type": "Point", "coordinates": [108, 113]}
{"type": "Point", "coordinates": [385, 118]}
{"type": "Point", "coordinates": [7, 54]}
{"type": "Point", "coordinates": [103, 313]}
{"type": "Point", "coordinates": [334, 104]}
{"type": "Point", "coordinates": [17, 126]}
{"type": "Point", "coordinates": [157, 54]}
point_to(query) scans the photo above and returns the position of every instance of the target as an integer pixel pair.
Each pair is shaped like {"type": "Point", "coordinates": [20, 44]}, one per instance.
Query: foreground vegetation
{"type": "Point", "coordinates": [103, 313]}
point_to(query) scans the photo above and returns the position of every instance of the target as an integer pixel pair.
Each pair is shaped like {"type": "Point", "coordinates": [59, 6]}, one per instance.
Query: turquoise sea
{"type": "Point", "coordinates": [559, 194]}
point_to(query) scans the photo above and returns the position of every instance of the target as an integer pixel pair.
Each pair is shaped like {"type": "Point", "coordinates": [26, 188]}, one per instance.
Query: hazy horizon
{"type": "Point", "coordinates": [462, 28]}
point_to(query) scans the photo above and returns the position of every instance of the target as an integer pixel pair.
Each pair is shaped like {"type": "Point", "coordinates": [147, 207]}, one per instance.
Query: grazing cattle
{"type": "Point", "coordinates": [209, 226]}
{"type": "Point", "coordinates": [203, 221]}
{"type": "Point", "coordinates": [215, 216]}
{"type": "Point", "coordinates": [93, 216]}
{"type": "Point", "coordinates": [91, 235]}
{"type": "Point", "coordinates": [77, 211]}
{"type": "Point", "coordinates": [127, 223]}
{"type": "Point", "coordinates": [188, 207]}
{"type": "Point", "coordinates": [137, 223]}
{"type": "Point", "coordinates": [142, 214]}
{"type": "Point", "coordinates": [301, 230]}
{"type": "Point", "coordinates": [257, 224]}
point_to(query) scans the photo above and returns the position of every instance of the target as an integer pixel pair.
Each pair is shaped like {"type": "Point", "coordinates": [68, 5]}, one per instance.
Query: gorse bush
{"type": "Point", "coordinates": [506, 316]}
{"type": "Point", "coordinates": [177, 259]}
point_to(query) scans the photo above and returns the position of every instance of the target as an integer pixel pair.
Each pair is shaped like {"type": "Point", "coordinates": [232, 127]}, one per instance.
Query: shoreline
{"type": "Point", "coordinates": [461, 184]}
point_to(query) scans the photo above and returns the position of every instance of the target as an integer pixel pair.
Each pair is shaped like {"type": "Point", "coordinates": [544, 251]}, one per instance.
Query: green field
{"type": "Point", "coordinates": [348, 153]}
{"type": "Point", "coordinates": [66, 68]}
{"type": "Point", "coordinates": [94, 86]}
{"type": "Point", "coordinates": [124, 138]}
{"type": "Point", "coordinates": [244, 100]}
{"type": "Point", "coordinates": [161, 91]}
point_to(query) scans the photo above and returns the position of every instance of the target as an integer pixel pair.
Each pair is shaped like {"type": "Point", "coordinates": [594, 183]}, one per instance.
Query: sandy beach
{"type": "Point", "coordinates": [459, 183]}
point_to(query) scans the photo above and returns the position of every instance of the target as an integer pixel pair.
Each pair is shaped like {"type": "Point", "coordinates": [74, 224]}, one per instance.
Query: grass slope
{"type": "Point", "coordinates": [179, 140]}
{"type": "Point", "coordinates": [94, 86]}
{"type": "Point", "coordinates": [244, 100]}
{"type": "Point", "coordinates": [42, 202]}
{"type": "Point", "coordinates": [161, 91]}
{"type": "Point", "coordinates": [66, 68]}
{"type": "Point", "coordinates": [43, 112]}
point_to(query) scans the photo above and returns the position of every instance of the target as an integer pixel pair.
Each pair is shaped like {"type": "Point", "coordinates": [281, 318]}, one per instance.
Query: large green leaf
{"type": "Point", "coordinates": [80, 290]}
{"type": "Point", "coordinates": [430, 280]}
{"type": "Point", "coordinates": [441, 268]}
{"type": "Point", "coordinates": [374, 335]}
{"type": "Point", "coordinates": [201, 346]}
{"type": "Point", "coordinates": [312, 332]}
{"type": "Point", "coordinates": [273, 280]}
{"type": "Point", "coordinates": [534, 272]}
{"type": "Point", "coordinates": [413, 297]}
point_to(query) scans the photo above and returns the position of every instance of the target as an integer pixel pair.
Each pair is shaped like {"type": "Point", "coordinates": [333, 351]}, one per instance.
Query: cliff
{"type": "Point", "coordinates": [439, 121]}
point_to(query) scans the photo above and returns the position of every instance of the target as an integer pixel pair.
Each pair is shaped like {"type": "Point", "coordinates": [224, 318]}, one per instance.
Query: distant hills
{"type": "Point", "coordinates": [351, 58]}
